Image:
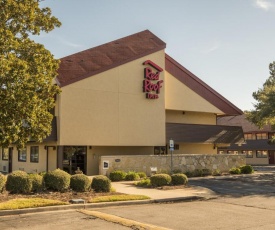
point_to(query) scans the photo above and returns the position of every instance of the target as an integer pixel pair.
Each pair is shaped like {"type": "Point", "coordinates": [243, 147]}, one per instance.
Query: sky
{"type": "Point", "coordinates": [228, 44]}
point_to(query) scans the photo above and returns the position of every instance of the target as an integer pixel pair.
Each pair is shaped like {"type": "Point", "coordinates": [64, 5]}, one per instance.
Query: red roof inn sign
{"type": "Point", "coordinates": [151, 83]}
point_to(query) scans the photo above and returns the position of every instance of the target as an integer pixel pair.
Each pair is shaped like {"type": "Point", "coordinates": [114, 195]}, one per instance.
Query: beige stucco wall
{"type": "Point", "coordinates": [30, 167]}
{"type": "Point", "coordinates": [52, 158]}
{"type": "Point", "coordinates": [179, 97]}
{"type": "Point", "coordinates": [185, 148]}
{"type": "Point", "coordinates": [185, 163]}
{"type": "Point", "coordinates": [105, 109]}
{"type": "Point", "coordinates": [256, 161]}
{"type": "Point", "coordinates": [174, 116]}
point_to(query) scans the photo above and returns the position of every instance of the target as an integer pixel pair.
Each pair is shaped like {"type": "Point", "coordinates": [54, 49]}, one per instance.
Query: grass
{"type": "Point", "coordinates": [122, 197]}
{"type": "Point", "coordinates": [29, 203]}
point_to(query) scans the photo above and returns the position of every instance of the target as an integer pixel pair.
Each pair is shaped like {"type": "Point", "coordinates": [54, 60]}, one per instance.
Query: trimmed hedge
{"type": "Point", "coordinates": [3, 180]}
{"type": "Point", "coordinates": [80, 183]}
{"type": "Point", "coordinates": [160, 180]}
{"type": "Point", "coordinates": [246, 169]}
{"type": "Point", "coordinates": [18, 182]}
{"type": "Point", "coordinates": [146, 182]}
{"type": "Point", "coordinates": [37, 182]}
{"type": "Point", "coordinates": [235, 171]}
{"type": "Point", "coordinates": [117, 175]}
{"type": "Point", "coordinates": [142, 175]}
{"type": "Point", "coordinates": [179, 179]}
{"type": "Point", "coordinates": [101, 184]}
{"type": "Point", "coordinates": [131, 176]}
{"type": "Point", "coordinates": [57, 180]}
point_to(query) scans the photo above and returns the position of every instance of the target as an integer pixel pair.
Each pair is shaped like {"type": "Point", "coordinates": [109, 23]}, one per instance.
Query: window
{"type": "Point", "coordinates": [248, 154]}
{"type": "Point", "coordinates": [249, 136]}
{"type": "Point", "coordinates": [34, 154]}
{"type": "Point", "coordinates": [260, 136]}
{"type": "Point", "coordinates": [22, 155]}
{"type": "Point", "coordinates": [160, 150]}
{"type": "Point", "coordinates": [236, 152]}
{"type": "Point", "coordinates": [229, 152]}
{"type": "Point", "coordinates": [220, 152]}
{"type": "Point", "coordinates": [261, 154]}
{"type": "Point", "coordinates": [5, 154]}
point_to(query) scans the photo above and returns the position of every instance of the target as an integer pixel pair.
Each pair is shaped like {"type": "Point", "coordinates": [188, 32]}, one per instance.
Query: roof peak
{"type": "Point", "coordinates": [98, 59]}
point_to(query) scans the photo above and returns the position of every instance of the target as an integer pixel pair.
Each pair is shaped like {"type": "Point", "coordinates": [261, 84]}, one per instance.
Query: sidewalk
{"type": "Point", "coordinates": [159, 195]}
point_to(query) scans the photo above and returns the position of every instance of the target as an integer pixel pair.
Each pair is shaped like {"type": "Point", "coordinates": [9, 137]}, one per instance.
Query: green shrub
{"type": "Point", "coordinates": [216, 172]}
{"type": "Point", "coordinates": [144, 183]}
{"type": "Point", "coordinates": [3, 180]}
{"type": "Point", "coordinates": [37, 182]}
{"type": "Point", "coordinates": [142, 175]}
{"type": "Point", "coordinates": [131, 176]}
{"type": "Point", "coordinates": [246, 169]}
{"type": "Point", "coordinates": [197, 173]}
{"type": "Point", "coordinates": [18, 182]}
{"type": "Point", "coordinates": [42, 173]}
{"type": "Point", "coordinates": [57, 180]}
{"type": "Point", "coordinates": [117, 175]}
{"type": "Point", "coordinates": [101, 184]}
{"type": "Point", "coordinates": [179, 179]}
{"type": "Point", "coordinates": [235, 171]}
{"type": "Point", "coordinates": [188, 174]}
{"type": "Point", "coordinates": [160, 180]}
{"type": "Point", "coordinates": [80, 183]}
{"type": "Point", "coordinates": [206, 172]}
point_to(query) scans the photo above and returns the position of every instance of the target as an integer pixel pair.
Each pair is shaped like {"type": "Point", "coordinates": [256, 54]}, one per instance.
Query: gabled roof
{"type": "Point", "coordinates": [200, 87]}
{"type": "Point", "coordinates": [247, 126]}
{"type": "Point", "coordinates": [107, 56]}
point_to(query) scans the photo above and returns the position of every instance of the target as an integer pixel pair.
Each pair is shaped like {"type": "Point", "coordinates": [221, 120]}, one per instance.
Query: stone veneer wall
{"type": "Point", "coordinates": [138, 163]}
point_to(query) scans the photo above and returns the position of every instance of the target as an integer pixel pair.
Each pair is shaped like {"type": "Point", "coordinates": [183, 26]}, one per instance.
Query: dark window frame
{"type": "Point", "coordinates": [20, 158]}
{"type": "Point", "coordinates": [261, 136]}
{"type": "Point", "coordinates": [160, 150]}
{"type": "Point", "coordinates": [7, 155]}
{"type": "Point", "coordinates": [260, 152]}
{"type": "Point", "coordinates": [32, 152]}
{"type": "Point", "coordinates": [246, 153]}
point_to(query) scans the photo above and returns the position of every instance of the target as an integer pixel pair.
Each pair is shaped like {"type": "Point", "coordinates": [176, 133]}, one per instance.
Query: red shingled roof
{"type": "Point", "coordinates": [107, 56]}
{"type": "Point", "coordinates": [247, 126]}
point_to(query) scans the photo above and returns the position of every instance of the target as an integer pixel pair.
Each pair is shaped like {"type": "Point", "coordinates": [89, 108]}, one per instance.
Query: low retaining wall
{"type": "Point", "coordinates": [138, 163]}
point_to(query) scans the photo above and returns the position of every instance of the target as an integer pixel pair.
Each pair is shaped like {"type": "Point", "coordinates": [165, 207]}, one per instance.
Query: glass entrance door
{"type": "Point", "coordinates": [74, 158]}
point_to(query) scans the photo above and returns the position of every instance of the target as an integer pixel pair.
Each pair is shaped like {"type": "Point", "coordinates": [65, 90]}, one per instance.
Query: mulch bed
{"type": "Point", "coordinates": [61, 196]}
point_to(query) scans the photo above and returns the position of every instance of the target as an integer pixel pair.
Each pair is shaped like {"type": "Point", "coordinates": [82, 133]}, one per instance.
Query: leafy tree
{"type": "Point", "coordinates": [264, 112]}
{"type": "Point", "coordinates": [27, 71]}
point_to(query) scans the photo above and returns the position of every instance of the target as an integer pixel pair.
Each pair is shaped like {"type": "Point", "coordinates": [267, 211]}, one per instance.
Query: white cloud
{"type": "Point", "coordinates": [263, 4]}
{"type": "Point", "coordinates": [68, 43]}
{"type": "Point", "coordinates": [211, 48]}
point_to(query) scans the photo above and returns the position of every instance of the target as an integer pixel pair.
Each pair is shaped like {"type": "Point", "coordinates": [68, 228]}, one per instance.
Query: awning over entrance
{"type": "Point", "coordinates": [192, 133]}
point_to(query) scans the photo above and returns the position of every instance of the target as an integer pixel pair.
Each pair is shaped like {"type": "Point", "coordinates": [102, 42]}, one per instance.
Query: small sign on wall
{"type": "Point", "coordinates": [105, 164]}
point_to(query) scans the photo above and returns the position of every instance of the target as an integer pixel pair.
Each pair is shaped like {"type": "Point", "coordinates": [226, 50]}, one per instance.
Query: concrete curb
{"type": "Point", "coordinates": [97, 205]}
{"type": "Point", "coordinates": [230, 176]}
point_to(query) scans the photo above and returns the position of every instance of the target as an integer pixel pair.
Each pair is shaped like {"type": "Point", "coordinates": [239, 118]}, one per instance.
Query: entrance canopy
{"type": "Point", "coordinates": [215, 134]}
